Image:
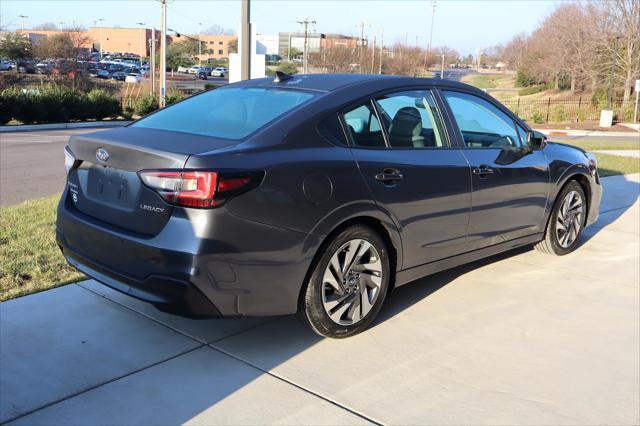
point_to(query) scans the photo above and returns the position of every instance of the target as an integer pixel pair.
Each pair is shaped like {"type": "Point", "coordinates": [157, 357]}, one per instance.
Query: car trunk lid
{"type": "Point", "coordinates": [106, 185]}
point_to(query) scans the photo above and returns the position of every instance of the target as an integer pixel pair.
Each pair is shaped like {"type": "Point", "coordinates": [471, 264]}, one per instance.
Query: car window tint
{"type": "Point", "coordinates": [364, 128]}
{"type": "Point", "coordinates": [482, 124]}
{"type": "Point", "coordinates": [331, 129]}
{"type": "Point", "coordinates": [412, 120]}
{"type": "Point", "coordinates": [229, 113]}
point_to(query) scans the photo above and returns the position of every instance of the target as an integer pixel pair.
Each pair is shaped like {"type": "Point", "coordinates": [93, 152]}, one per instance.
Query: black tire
{"type": "Point", "coordinates": [551, 243]}
{"type": "Point", "coordinates": [311, 308]}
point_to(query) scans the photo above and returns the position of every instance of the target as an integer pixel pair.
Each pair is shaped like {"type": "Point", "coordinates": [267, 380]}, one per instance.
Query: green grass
{"type": "Point", "coordinates": [489, 81]}
{"type": "Point", "coordinates": [30, 260]}
{"type": "Point", "coordinates": [599, 144]}
{"type": "Point", "coordinates": [611, 165]}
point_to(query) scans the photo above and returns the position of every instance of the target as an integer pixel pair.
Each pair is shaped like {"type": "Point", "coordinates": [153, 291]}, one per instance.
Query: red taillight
{"type": "Point", "coordinates": [195, 188]}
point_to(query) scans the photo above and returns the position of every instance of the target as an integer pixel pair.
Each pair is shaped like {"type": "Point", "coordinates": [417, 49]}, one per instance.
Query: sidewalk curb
{"type": "Point", "coordinates": [60, 126]}
{"type": "Point", "coordinates": [597, 133]}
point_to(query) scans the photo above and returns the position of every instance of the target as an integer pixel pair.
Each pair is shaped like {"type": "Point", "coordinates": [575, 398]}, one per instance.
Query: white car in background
{"type": "Point", "coordinates": [133, 78]}
{"type": "Point", "coordinates": [196, 70]}
{"type": "Point", "coordinates": [183, 69]}
{"type": "Point", "coordinates": [219, 72]}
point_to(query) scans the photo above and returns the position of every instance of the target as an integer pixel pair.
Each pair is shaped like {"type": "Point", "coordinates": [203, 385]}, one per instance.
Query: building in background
{"type": "Point", "coordinates": [267, 44]}
{"type": "Point", "coordinates": [295, 40]}
{"type": "Point", "coordinates": [316, 42]}
{"type": "Point", "coordinates": [214, 46]}
{"type": "Point", "coordinates": [134, 41]}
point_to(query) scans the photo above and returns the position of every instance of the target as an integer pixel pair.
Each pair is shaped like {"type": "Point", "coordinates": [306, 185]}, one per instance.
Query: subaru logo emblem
{"type": "Point", "coordinates": [102, 154]}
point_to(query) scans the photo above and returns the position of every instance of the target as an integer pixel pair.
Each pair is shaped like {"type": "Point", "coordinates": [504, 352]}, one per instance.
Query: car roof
{"type": "Point", "coordinates": [332, 82]}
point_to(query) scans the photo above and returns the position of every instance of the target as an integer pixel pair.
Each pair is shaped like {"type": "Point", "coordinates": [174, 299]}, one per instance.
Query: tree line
{"type": "Point", "coordinates": [581, 47]}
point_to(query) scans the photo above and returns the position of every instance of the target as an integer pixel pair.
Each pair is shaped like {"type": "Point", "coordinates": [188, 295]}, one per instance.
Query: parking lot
{"type": "Point", "coordinates": [521, 338]}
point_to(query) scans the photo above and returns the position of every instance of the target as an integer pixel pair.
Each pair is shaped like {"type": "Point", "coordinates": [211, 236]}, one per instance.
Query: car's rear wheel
{"type": "Point", "coordinates": [348, 284]}
{"type": "Point", "coordinates": [566, 221]}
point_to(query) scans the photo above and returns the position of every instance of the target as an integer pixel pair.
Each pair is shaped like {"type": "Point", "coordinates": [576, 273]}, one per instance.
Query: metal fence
{"type": "Point", "coordinates": [566, 111]}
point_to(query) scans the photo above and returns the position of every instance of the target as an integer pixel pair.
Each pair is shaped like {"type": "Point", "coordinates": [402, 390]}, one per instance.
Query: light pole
{"type": "Point", "coordinates": [199, 43]}
{"type": "Point", "coordinates": [100, 20]}
{"type": "Point", "coordinates": [22, 17]}
{"type": "Point", "coordinates": [433, 12]}
{"type": "Point", "coordinates": [142, 49]}
{"type": "Point", "coordinates": [163, 54]}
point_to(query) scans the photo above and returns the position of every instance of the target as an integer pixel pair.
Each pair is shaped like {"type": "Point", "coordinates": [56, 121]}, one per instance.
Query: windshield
{"type": "Point", "coordinates": [229, 113]}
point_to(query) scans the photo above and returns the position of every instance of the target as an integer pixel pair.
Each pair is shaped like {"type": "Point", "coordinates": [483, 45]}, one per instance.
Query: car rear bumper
{"type": "Point", "coordinates": [249, 269]}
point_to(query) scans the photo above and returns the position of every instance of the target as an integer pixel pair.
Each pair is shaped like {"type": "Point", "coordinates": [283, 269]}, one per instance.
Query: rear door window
{"type": "Point", "coordinates": [364, 127]}
{"type": "Point", "coordinates": [412, 120]}
{"type": "Point", "coordinates": [228, 113]}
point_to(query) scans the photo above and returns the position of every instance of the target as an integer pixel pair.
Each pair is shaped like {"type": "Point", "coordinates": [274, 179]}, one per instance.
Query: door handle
{"type": "Point", "coordinates": [389, 176]}
{"type": "Point", "coordinates": [483, 171]}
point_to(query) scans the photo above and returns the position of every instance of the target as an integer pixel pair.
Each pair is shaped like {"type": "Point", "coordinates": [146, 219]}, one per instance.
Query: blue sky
{"type": "Point", "coordinates": [461, 24]}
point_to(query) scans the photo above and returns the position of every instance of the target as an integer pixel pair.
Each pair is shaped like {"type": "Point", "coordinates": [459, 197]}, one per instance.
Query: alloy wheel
{"type": "Point", "coordinates": [570, 219]}
{"type": "Point", "coordinates": [351, 282]}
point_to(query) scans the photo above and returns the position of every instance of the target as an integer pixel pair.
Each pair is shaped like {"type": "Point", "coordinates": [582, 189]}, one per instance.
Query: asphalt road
{"type": "Point", "coordinates": [32, 164]}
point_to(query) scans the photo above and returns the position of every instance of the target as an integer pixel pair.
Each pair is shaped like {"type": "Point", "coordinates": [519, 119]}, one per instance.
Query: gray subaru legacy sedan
{"type": "Point", "coordinates": [315, 195]}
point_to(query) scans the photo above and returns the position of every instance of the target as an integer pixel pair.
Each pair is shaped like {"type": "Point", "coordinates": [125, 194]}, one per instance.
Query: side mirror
{"type": "Point", "coordinates": [536, 140]}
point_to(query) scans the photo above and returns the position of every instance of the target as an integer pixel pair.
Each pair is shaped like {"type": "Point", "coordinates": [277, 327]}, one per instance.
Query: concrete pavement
{"type": "Point", "coordinates": [521, 338]}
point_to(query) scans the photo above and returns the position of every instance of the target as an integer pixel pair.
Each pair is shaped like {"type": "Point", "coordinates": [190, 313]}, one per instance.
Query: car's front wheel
{"type": "Point", "coordinates": [348, 284]}
{"type": "Point", "coordinates": [566, 221]}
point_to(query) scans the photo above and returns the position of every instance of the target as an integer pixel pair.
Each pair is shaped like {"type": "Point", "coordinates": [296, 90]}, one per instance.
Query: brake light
{"type": "Point", "coordinates": [201, 189]}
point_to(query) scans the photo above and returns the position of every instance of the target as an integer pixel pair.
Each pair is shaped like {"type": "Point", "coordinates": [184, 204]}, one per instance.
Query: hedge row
{"type": "Point", "coordinates": [55, 104]}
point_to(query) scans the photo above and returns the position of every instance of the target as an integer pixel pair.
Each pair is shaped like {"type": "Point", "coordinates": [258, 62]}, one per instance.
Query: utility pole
{"type": "Point", "coordinates": [22, 17]}
{"type": "Point", "coordinates": [305, 53]}
{"type": "Point", "coordinates": [381, 51]}
{"type": "Point", "coordinates": [152, 54]}
{"type": "Point", "coordinates": [442, 69]}
{"type": "Point", "coordinates": [361, 43]}
{"type": "Point", "coordinates": [433, 12]}
{"type": "Point", "coordinates": [143, 35]}
{"type": "Point", "coordinates": [162, 102]}
{"type": "Point", "coordinates": [478, 54]}
{"type": "Point", "coordinates": [245, 41]}
{"type": "Point", "coordinates": [373, 55]}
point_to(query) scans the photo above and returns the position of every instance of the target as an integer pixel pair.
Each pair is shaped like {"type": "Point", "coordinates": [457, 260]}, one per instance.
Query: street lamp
{"type": "Point", "coordinates": [142, 50]}
{"type": "Point", "coordinates": [100, 20]}
{"type": "Point", "coordinates": [199, 43]}
{"type": "Point", "coordinates": [22, 17]}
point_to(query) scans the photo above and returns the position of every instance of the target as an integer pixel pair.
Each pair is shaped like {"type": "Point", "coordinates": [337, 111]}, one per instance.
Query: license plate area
{"type": "Point", "coordinates": [113, 187]}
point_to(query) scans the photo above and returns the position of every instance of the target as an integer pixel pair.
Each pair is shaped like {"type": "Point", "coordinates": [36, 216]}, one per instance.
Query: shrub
{"type": "Point", "coordinates": [145, 104]}
{"type": "Point", "coordinates": [127, 112]}
{"type": "Point", "coordinates": [524, 80]}
{"type": "Point", "coordinates": [531, 90]}
{"type": "Point", "coordinates": [538, 117]}
{"type": "Point", "coordinates": [50, 104]}
{"type": "Point", "coordinates": [101, 105]}
{"type": "Point", "coordinates": [558, 114]}
{"type": "Point", "coordinates": [581, 115]}
{"type": "Point", "coordinates": [174, 97]}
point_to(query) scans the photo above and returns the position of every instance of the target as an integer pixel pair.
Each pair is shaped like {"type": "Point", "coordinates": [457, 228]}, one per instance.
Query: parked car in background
{"type": "Point", "coordinates": [133, 78]}
{"type": "Point", "coordinates": [103, 73]}
{"type": "Point", "coordinates": [5, 65]}
{"type": "Point", "coordinates": [195, 70]}
{"type": "Point", "coordinates": [26, 67]}
{"type": "Point", "coordinates": [183, 69]}
{"type": "Point", "coordinates": [118, 75]}
{"type": "Point", "coordinates": [219, 72]}
{"type": "Point", "coordinates": [316, 195]}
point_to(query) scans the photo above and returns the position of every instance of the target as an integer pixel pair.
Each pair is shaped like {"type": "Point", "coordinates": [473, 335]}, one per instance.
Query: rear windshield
{"type": "Point", "coordinates": [230, 113]}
